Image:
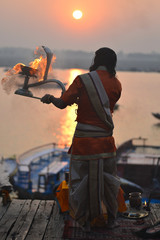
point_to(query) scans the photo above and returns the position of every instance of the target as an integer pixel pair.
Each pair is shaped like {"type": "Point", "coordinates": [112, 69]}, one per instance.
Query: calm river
{"type": "Point", "coordinates": [26, 123]}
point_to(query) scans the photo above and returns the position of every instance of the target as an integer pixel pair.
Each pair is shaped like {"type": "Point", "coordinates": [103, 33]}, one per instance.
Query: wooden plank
{"type": "Point", "coordinates": [40, 221]}
{"type": "Point", "coordinates": [56, 225]}
{"type": "Point", "coordinates": [3, 208]}
{"type": "Point", "coordinates": [24, 220]}
{"type": "Point", "coordinates": [10, 217]}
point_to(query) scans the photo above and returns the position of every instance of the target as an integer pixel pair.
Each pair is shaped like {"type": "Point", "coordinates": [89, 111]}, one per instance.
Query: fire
{"type": "Point", "coordinates": [15, 70]}
{"type": "Point", "coordinates": [39, 63]}
{"type": "Point", "coordinates": [36, 62]}
{"type": "Point", "coordinates": [145, 203]}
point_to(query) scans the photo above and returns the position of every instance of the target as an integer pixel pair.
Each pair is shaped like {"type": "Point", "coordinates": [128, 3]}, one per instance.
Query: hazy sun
{"type": "Point", "coordinates": [77, 14]}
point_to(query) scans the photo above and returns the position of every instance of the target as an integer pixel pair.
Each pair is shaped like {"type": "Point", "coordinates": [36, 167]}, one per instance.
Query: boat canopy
{"type": "Point", "coordinates": [53, 168]}
{"type": "Point", "coordinates": [43, 153]}
{"type": "Point", "coordinates": [143, 159]}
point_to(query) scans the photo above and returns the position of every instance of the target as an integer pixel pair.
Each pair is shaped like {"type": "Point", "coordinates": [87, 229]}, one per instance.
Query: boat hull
{"type": "Point", "coordinates": [138, 162]}
{"type": "Point", "coordinates": [140, 174]}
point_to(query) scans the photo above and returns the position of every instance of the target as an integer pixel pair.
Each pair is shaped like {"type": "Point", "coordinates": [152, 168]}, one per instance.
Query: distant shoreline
{"type": "Point", "coordinates": [67, 59]}
{"type": "Point", "coordinates": [118, 70]}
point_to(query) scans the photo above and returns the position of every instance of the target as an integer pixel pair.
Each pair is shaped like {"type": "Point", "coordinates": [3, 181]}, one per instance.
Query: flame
{"type": "Point", "coordinates": [38, 64]}
{"type": "Point", "coordinates": [12, 78]}
{"type": "Point", "coordinates": [15, 70]}
{"type": "Point", "coordinates": [145, 203]}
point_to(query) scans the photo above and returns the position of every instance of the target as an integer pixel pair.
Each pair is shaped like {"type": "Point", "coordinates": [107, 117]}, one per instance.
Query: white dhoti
{"type": "Point", "coordinates": [93, 189]}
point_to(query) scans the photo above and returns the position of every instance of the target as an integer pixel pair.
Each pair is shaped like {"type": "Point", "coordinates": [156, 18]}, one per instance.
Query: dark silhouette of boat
{"type": "Point", "coordinates": [156, 115]}
{"type": "Point", "coordinates": [139, 163]}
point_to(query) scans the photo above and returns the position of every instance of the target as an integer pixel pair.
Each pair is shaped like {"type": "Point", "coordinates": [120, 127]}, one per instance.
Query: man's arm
{"type": "Point", "coordinates": [69, 97]}
{"type": "Point", "coordinates": [58, 102]}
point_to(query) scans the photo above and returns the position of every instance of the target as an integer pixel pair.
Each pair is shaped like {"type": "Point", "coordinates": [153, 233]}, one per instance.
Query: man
{"type": "Point", "coordinates": [93, 185]}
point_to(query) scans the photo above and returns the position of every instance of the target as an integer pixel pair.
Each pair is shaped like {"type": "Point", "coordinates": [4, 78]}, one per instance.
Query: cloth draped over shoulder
{"type": "Point", "coordinates": [100, 102]}
{"type": "Point", "coordinates": [98, 97]}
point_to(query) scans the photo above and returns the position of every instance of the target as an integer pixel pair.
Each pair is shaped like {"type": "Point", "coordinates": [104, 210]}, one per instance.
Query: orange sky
{"type": "Point", "coordinates": [127, 25]}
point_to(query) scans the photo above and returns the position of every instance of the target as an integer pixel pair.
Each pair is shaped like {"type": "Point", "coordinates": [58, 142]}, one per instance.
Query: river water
{"type": "Point", "coordinates": [26, 122]}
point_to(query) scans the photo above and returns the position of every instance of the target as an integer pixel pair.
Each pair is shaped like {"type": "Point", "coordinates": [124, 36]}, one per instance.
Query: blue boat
{"type": "Point", "coordinates": [39, 171]}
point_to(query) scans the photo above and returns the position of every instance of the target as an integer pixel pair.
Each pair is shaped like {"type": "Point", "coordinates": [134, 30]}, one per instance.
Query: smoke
{"type": "Point", "coordinates": [12, 80]}
{"type": "Point", "coordinates": [39, 51]}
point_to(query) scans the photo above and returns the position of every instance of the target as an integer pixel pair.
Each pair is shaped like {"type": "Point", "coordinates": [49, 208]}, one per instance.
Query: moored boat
{"type": "Point", "coordinates": [139, 162]}
{"type": "Point", "coordinates": [156, 115]}
{"type": "Point", "coordinates": [39, 171]}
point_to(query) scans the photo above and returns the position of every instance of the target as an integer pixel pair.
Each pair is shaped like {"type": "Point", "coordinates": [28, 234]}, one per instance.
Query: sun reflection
{"type": "Point", "coordinates": [73, 74]}
{"type": "Point", "coordinates": [68, 120]}
{"type": "Point", "coordinates": [67, 126]}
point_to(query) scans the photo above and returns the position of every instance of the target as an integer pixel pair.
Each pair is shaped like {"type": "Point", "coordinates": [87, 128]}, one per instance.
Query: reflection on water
{"type": "Point", "coordinates": [26, 123]}
{"type": "Point", "coordinates": [67, 124]}
{"type": "Point", "coordinates": [73, 74]}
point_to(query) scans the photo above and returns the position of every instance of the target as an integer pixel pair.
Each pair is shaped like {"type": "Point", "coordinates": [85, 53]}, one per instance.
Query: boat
{"type": "Point", "coordinates": [116, 107]}
{"type": "Point", "coordinates": [156, 115]}
{"type": "Point", "coordinates": [139, 163]}
{"type": "Point", "coordinates": [40, 170]}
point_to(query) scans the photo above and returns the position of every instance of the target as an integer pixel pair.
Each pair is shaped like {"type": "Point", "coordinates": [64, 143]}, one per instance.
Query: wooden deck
{"type": "Point", "coordinates": [30, 220]}
{"type": "Point", "coordinates": [40, 220]}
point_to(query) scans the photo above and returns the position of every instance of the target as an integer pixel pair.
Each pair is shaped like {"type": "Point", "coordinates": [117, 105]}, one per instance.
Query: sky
{"type": "Point", "coordinates": [124, 25]}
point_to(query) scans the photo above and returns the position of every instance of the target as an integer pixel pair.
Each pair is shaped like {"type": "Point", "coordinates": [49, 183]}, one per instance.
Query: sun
{"type": "Point", "coordinates": [77, 14]}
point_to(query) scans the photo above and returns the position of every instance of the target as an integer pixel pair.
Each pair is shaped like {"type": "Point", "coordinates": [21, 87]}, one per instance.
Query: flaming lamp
{"type": "Point", "coordinates": [31, 72]}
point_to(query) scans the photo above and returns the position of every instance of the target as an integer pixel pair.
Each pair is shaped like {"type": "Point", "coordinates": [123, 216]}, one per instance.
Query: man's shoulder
{"type": "Point", "coordinates": [84, 74]}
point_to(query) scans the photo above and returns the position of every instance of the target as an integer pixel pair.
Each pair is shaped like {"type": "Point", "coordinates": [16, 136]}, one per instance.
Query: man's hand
{"type": "Point", "coordinates": [46, 99]}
